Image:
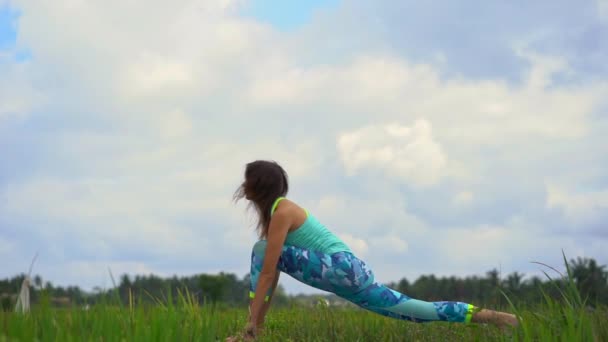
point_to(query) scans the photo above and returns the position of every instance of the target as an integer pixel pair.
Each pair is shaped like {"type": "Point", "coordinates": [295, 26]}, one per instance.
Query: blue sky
{"type": "Point", "coordinates": [9, 18]}
{"type": "Point", "coordinates": [8, 32]}
{"type": "Point", "coordinates": [432, 137]}
{"type": "Point", "coordinates": [286, 15]}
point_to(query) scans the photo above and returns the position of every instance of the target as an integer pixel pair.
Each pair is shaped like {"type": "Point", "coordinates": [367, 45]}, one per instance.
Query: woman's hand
{"type": "Point", "coordinates": [251, 331]}
{"type": "Point", "coordinates": [249, 334]}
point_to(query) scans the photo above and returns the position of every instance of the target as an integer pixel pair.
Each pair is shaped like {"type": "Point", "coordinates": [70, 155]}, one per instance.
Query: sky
{"type": "Point", "coordinates": [445, 138]}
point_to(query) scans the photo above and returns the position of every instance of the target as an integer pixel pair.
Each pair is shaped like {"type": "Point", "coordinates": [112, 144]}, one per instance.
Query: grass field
{"type": "Point", "coordinates": [189, 322]}
{"type": "Point", "coordinates": [568, 318]}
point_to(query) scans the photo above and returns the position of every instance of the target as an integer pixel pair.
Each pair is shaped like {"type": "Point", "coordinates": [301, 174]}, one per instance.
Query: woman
{"type": "Point", "coordinates": [293, 241]}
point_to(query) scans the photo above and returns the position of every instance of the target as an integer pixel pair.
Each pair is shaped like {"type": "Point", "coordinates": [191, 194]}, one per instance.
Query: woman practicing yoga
{"type": "Point", "coordinates": [293, 241]}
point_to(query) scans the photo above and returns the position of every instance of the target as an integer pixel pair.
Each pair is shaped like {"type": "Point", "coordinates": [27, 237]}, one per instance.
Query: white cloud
{"type": "Point", "coordinates": [381, 212]}
{"type": "Point", "coordinates": [406, 153]}
{"type": "Point", "coordinates": [577, 206]}
{"type": "Point", "coordinates": [543, 68]}
{"type": "Point", "coordinates": [17, 95]}
{"type": "Point", "coordinates": [510, 247]}
{"type": "Point", "coordinates": [484, 240]}
{"type": "Point", "coordinates": [163, 110]}
{"type": "Point", "coordinates": [602, 8]}
{"type": "Point", "coordinates": [377, 88]}
{"type": "Point", "coordinates": [358, 246]}
{"type": "Point", "coordinates": [463, 198]}
{"type": "Point", "coordinates": [6, 246]}
{"type": "Point", "coordinates": [176, 124]}
{"type": "Point", "coordinates": [107, 218]}
{"type": "Point", "coordinates": [390, 244]}
{"type": "Point", "coordinates": [153, 74]}
{"type": "Point", "coordinates": [96, 273]}
{"type": "Point", "coordinates": [134, 201]}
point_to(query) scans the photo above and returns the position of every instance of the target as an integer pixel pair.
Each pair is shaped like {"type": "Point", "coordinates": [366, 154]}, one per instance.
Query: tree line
{"type": "Point", "coordinates": [227, 289]}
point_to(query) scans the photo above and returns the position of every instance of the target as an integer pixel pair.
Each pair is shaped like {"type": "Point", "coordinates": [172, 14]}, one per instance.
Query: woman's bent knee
{"type": "Point", "coordinates": [259, 248]}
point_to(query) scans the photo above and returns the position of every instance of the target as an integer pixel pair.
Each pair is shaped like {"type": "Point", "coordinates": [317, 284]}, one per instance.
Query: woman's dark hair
{"type": "Point", "coordinates": [265, 181]}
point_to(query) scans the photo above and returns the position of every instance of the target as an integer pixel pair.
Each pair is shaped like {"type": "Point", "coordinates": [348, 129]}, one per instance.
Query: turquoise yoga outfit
{"type": "Point", "coordinates": [316, 257]}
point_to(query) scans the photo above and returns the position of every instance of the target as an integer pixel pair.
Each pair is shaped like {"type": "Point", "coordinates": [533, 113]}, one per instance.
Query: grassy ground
{"type": "Point", "coordinates": [193, 323]}
{"type": "Point", "coordinates": [567, 318]}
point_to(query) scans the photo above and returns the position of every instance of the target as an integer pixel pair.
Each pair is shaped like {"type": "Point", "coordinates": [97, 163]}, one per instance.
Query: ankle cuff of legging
{"type": "Point", "coordinates": [252, 296]}
{"type": "Point", "coordinates": [469, 316]}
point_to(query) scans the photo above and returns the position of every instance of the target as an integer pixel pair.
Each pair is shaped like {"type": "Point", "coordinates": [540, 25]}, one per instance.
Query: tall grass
{"type": "Point", "coordinates": [565, 318]}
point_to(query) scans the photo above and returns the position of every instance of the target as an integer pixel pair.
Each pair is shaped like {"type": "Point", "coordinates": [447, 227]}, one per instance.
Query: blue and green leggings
{"type": "Point", "coordinates": [347, 276]}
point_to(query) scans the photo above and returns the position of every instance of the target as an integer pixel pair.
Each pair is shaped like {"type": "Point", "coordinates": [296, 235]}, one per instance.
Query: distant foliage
{"type": "Point", "coordinates": [590, 278]}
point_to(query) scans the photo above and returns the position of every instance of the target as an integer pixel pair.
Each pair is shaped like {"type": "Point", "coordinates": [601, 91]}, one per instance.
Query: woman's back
{"type": "Point", "coordinates": [312, 234]}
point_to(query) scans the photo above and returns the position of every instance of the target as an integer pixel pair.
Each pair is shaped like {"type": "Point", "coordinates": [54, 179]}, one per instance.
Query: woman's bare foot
{"type": "Point", "coordinates": [500, 319]}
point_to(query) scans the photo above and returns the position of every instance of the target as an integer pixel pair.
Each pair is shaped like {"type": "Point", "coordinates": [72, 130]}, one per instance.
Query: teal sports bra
{"type": "Point", "coordinates": [313, 235]}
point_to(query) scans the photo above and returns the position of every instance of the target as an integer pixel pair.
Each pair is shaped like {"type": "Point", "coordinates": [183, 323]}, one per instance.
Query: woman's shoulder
{"type": "Point", "coordinates": [285, 205]}
{"type": "Point", "coordinates": [290, 208]}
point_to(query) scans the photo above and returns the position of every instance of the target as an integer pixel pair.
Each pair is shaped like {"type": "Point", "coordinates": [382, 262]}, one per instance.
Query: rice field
{"type": "Point", "coordinates": [186, 321]}
{"type": "Point", "coordinates": [566, 318]}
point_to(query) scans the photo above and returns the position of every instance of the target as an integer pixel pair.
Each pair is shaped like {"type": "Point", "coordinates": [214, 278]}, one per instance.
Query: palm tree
{"type": "Point", "coordinates": [513, 282]}
{"type": "Point", "coordinates": [590, 278]}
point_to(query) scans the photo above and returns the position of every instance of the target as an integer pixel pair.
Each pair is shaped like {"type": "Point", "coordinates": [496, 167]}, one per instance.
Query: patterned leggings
{"type": "Point", "coordinates": [350, 278]}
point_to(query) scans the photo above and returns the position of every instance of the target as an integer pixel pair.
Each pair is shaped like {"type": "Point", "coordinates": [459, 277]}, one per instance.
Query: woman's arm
{"type": "Point", "coordinates": [277, 232]}
{"type": "Point", "coordinates": [260, 323]}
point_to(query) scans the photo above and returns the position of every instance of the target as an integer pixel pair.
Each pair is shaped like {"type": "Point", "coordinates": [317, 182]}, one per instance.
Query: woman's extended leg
{"type": "Point", "coordinates": [388, 302]}
{"type": "Point", "coordinates": [349, 277]}
{"type": "Point", "coordinates": [380, 299]}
